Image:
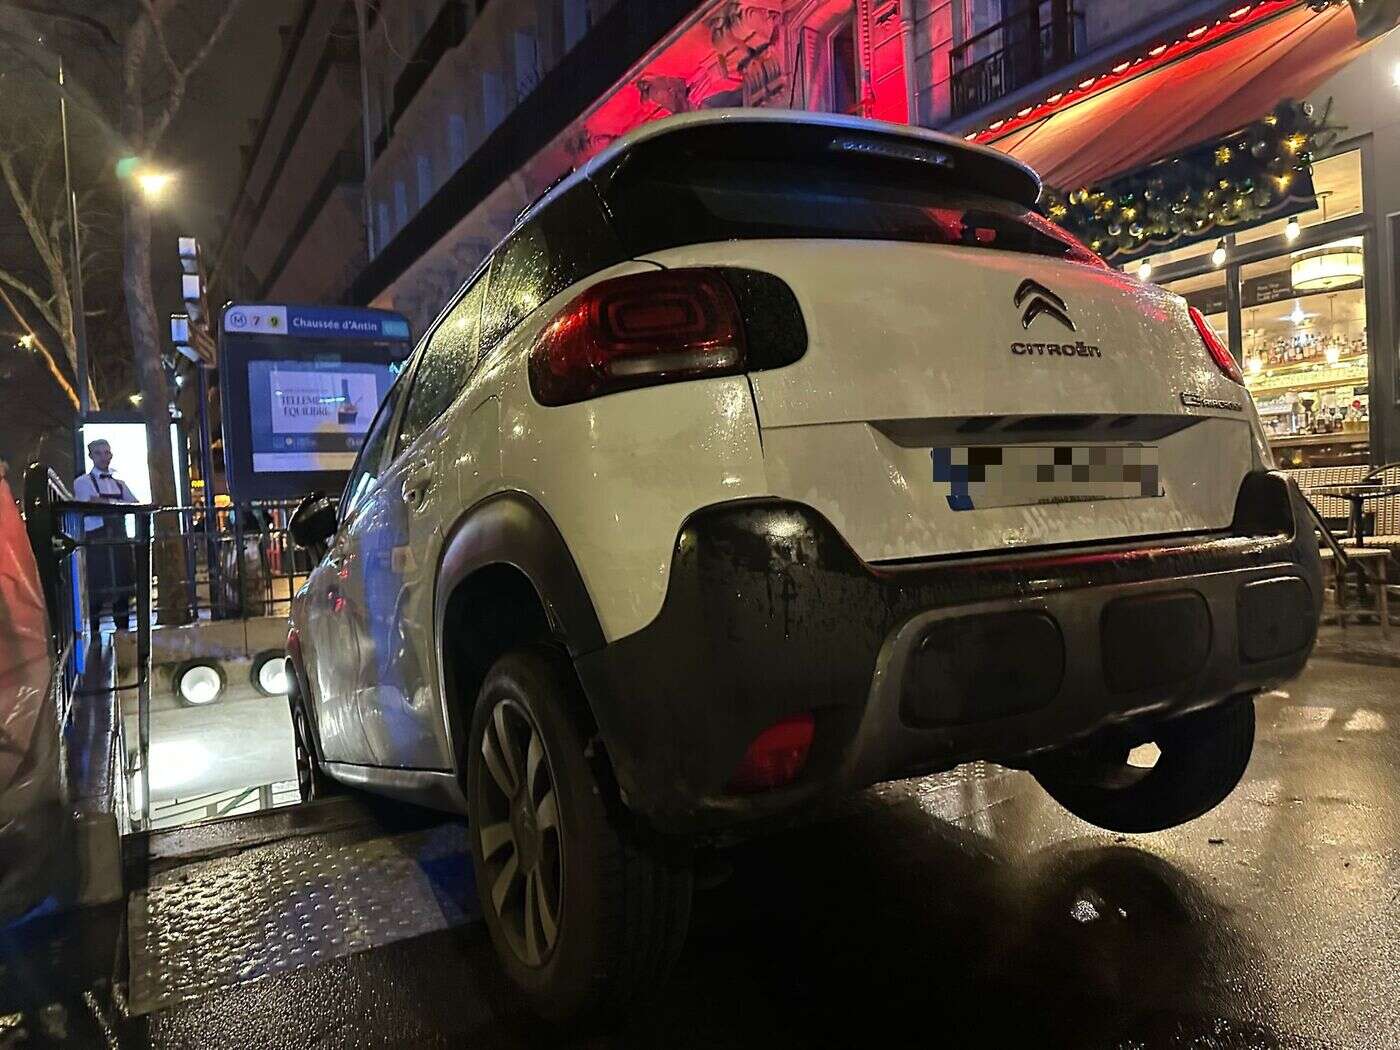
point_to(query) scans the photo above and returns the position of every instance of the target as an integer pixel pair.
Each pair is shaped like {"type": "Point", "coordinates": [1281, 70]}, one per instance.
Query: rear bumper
{"type": "Point", "coordinates": [769, 613]}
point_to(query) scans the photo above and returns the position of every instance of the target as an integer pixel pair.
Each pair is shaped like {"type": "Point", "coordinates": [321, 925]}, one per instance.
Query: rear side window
{"type": "Point", "coordinates": [365, 473]}
{"type": "Point", "coordinates": [564, 242]}
{"type": "Point", "coordinates": [448, 359]}
{"type": "Point", "coordinates": [727, 183]}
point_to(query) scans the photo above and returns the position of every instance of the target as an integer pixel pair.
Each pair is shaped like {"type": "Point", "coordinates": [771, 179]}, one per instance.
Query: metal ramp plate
{"type": "Point", "coordinates": [290, 904]}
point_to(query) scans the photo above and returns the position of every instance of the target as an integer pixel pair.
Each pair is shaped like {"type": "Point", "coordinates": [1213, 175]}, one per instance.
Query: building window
{"type": "Point", "coordinates": [400, 203]}
{"type": "Point", "coordinates": [456, 140]}
{"type": "Point", "coordinates": [527, 62]}
{"type": "Point", "coordinates": [845, 74]}
{"type": "Point", "coordinates": [575, 22]}
{"type": "Point", "coordinates": [493, 103]}
{"type": "Point", "coordinates": [382, 216]}
{"type": "Point", "coordinates": [425, 179]}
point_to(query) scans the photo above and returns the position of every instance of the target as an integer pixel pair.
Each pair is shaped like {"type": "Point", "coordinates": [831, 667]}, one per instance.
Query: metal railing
{"type": "Point", "coordinates": [1017, 51]}
{"type": "Point", "coordinates": [230, 562]}
{"type": "Point", "coordinates": [216, 804]}
{"type": "Point", "coordinates": [240, 560]}
{"type": "Point", "coordinates": [66, 548]}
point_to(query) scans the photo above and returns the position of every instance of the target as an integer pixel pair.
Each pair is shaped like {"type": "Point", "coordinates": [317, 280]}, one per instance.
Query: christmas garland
{"type": "Point", "coordinates": [1257, 174]}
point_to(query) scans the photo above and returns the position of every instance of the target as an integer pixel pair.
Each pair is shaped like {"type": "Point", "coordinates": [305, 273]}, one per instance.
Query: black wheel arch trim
{"type": "Point", "coordinates": [511, 528]}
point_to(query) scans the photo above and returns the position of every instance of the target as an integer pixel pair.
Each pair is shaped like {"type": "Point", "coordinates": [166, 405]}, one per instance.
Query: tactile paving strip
{"type": "Point", "coordinates": [291, 904]}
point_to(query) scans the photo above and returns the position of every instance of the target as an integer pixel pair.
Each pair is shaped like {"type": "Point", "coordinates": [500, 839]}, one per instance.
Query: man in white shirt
{"type": "Point", "coordinates": [109, 565]}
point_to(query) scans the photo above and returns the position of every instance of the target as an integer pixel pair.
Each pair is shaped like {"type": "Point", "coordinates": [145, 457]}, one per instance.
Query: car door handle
{"type": "Point", "coordinates": [415, 491]}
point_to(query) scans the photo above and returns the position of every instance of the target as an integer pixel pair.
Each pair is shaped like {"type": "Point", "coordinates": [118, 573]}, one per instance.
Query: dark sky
{"type": "Point", "coordinates": [229, 91]}
{"type": "Point", "coordinates": [232, 90]}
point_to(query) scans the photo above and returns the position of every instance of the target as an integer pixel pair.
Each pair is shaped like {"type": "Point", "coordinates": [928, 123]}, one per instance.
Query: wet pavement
{"type": "Point", "coordinates": [961, 909]}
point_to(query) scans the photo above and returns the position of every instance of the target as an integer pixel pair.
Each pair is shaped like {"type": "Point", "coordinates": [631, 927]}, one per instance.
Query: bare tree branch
{"type": "Point", "coordinates": [24, 205]}
{"type": "Point", "coordinates": [34, 7]}
{"type": "Point", "coordinates": [44, 351]}
{"type": "Point", "coordinates": [29, 292]}
{"type": "Point", "coordinates": [159, 31]}
{"type": "Point", "coordinates": [180, 77]}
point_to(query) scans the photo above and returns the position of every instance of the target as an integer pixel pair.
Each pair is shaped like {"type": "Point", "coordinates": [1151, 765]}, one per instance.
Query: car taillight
{"type": "Point", "coordinates": [1219, 352]}
{"type": "Point", "coordinates": [638, 330]}
{"type": "Point", "coordinates": [776, 756]}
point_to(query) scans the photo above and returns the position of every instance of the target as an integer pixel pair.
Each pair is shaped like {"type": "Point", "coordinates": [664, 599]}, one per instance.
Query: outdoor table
{"type": "Point", "coordinates": [1356, 495]}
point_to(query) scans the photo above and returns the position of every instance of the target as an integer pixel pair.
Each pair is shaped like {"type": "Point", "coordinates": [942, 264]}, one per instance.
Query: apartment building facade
{"type": "Point", "coordinates": [472, 108]}
{"type": "Point", "coordinates": [296, 230]}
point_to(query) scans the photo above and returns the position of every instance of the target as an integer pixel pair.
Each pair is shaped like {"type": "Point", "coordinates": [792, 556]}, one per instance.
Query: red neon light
{"type": "Point", "coordinates": [1235, 22]}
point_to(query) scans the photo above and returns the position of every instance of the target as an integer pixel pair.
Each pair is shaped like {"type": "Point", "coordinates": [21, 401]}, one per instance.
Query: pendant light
{"type": "Point", "coordinates": [1331, 265]}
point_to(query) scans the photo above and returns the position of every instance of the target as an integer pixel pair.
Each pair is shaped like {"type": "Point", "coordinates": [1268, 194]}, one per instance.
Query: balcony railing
{"type": "Point", "coordinates": [1017, 51]}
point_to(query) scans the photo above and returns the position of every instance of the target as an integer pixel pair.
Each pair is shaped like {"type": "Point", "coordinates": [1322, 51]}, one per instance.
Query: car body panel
{"type": "Point", "coordinates": [332, 604]}
{"type": "Point", "coordinates": [619, 474]}
{"type": "Point", "coordinates": [395, 691]}
{"type": "Point", "coordinates": [914, 346]}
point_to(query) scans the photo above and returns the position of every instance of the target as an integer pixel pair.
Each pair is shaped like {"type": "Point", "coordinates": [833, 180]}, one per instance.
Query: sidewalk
{"type": "Point", "coordinates": [1359, 643]}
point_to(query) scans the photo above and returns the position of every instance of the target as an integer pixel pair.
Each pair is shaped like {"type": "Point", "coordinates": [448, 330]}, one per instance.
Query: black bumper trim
{"type": "Point", "coordinates": [768, 613]}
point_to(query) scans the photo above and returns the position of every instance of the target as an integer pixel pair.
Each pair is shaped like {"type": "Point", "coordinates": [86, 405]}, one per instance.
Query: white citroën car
{"type": "Point", "coordinates": [773, 455]}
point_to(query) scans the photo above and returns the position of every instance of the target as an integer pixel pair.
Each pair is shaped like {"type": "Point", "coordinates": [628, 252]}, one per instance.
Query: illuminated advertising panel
{"type": "Point", "coordinates": [126, 434]}
{"type": "Point", "coordinates": [299, 387]}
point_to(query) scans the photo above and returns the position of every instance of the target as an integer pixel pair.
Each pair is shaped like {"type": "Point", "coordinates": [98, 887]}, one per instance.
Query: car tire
{"type": "Point", "coordinates": [1202, 757]}
{"type": "Point", "coordinates": [312, 782]}
{"type": "Point", "coordinates": [586, 914]}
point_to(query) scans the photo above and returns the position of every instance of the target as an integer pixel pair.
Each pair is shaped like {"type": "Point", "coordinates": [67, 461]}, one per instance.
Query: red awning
{"type": "Point", "coordinates": [1200, 97]}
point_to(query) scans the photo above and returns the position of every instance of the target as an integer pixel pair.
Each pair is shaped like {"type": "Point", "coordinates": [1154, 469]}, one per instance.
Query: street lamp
{"type": "Point", "coordinates": [154, 183]}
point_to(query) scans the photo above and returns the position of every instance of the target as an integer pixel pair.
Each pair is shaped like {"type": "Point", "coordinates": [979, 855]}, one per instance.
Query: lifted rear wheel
{"type": "Point", "coordinates": [1201, 758]}
{"type": "Point", "coordinates": [585, 916]}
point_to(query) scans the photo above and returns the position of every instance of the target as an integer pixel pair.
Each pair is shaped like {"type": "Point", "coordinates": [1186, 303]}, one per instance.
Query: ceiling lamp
{"type": "Point", "coordinates": [1331, 266]}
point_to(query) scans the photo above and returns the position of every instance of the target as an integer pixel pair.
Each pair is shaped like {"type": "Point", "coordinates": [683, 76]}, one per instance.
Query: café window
{"type": "Point", "coordinates": [1303, 320]}
{"type": "Point", "coordinates": [1298, 317]}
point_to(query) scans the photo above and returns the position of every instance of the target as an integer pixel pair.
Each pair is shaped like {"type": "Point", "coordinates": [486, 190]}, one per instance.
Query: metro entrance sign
{"type": "Point", "coordinates": [299, 387]}
{"type": "Point", "coordinates": [315, 322]}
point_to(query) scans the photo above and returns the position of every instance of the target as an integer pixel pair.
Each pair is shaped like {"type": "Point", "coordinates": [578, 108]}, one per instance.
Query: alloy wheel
{"type": "Point", "coordinates": [305, 781]}
{"type": "Point", "coordinates": [520, 834]}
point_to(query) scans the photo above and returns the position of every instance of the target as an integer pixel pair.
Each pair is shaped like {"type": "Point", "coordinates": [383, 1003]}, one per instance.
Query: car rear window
{"type": "Point", "coordinates": [686, 188]}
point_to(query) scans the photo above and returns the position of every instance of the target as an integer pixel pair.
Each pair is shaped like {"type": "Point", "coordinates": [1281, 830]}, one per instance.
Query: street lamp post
{"type": "Point", "coordinates": [79, 313]}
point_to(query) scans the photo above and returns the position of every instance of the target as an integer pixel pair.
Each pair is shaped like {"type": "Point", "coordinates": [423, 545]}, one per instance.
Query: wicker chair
{"type": "Point", "coordinates": [1353, 581]}
{"type": "Point", "coordinates": [1334, 510]}
{"type": "Point", "coordinates": [1386, 530]}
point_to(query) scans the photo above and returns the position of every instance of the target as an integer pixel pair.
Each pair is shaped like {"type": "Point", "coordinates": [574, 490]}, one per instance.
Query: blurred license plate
{"type": "Point", "coordinates": [1023, 475]}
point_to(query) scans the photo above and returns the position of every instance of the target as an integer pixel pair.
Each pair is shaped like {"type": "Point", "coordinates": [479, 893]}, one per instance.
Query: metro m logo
{"type": "Point", "coordinates": [1041, 300]}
